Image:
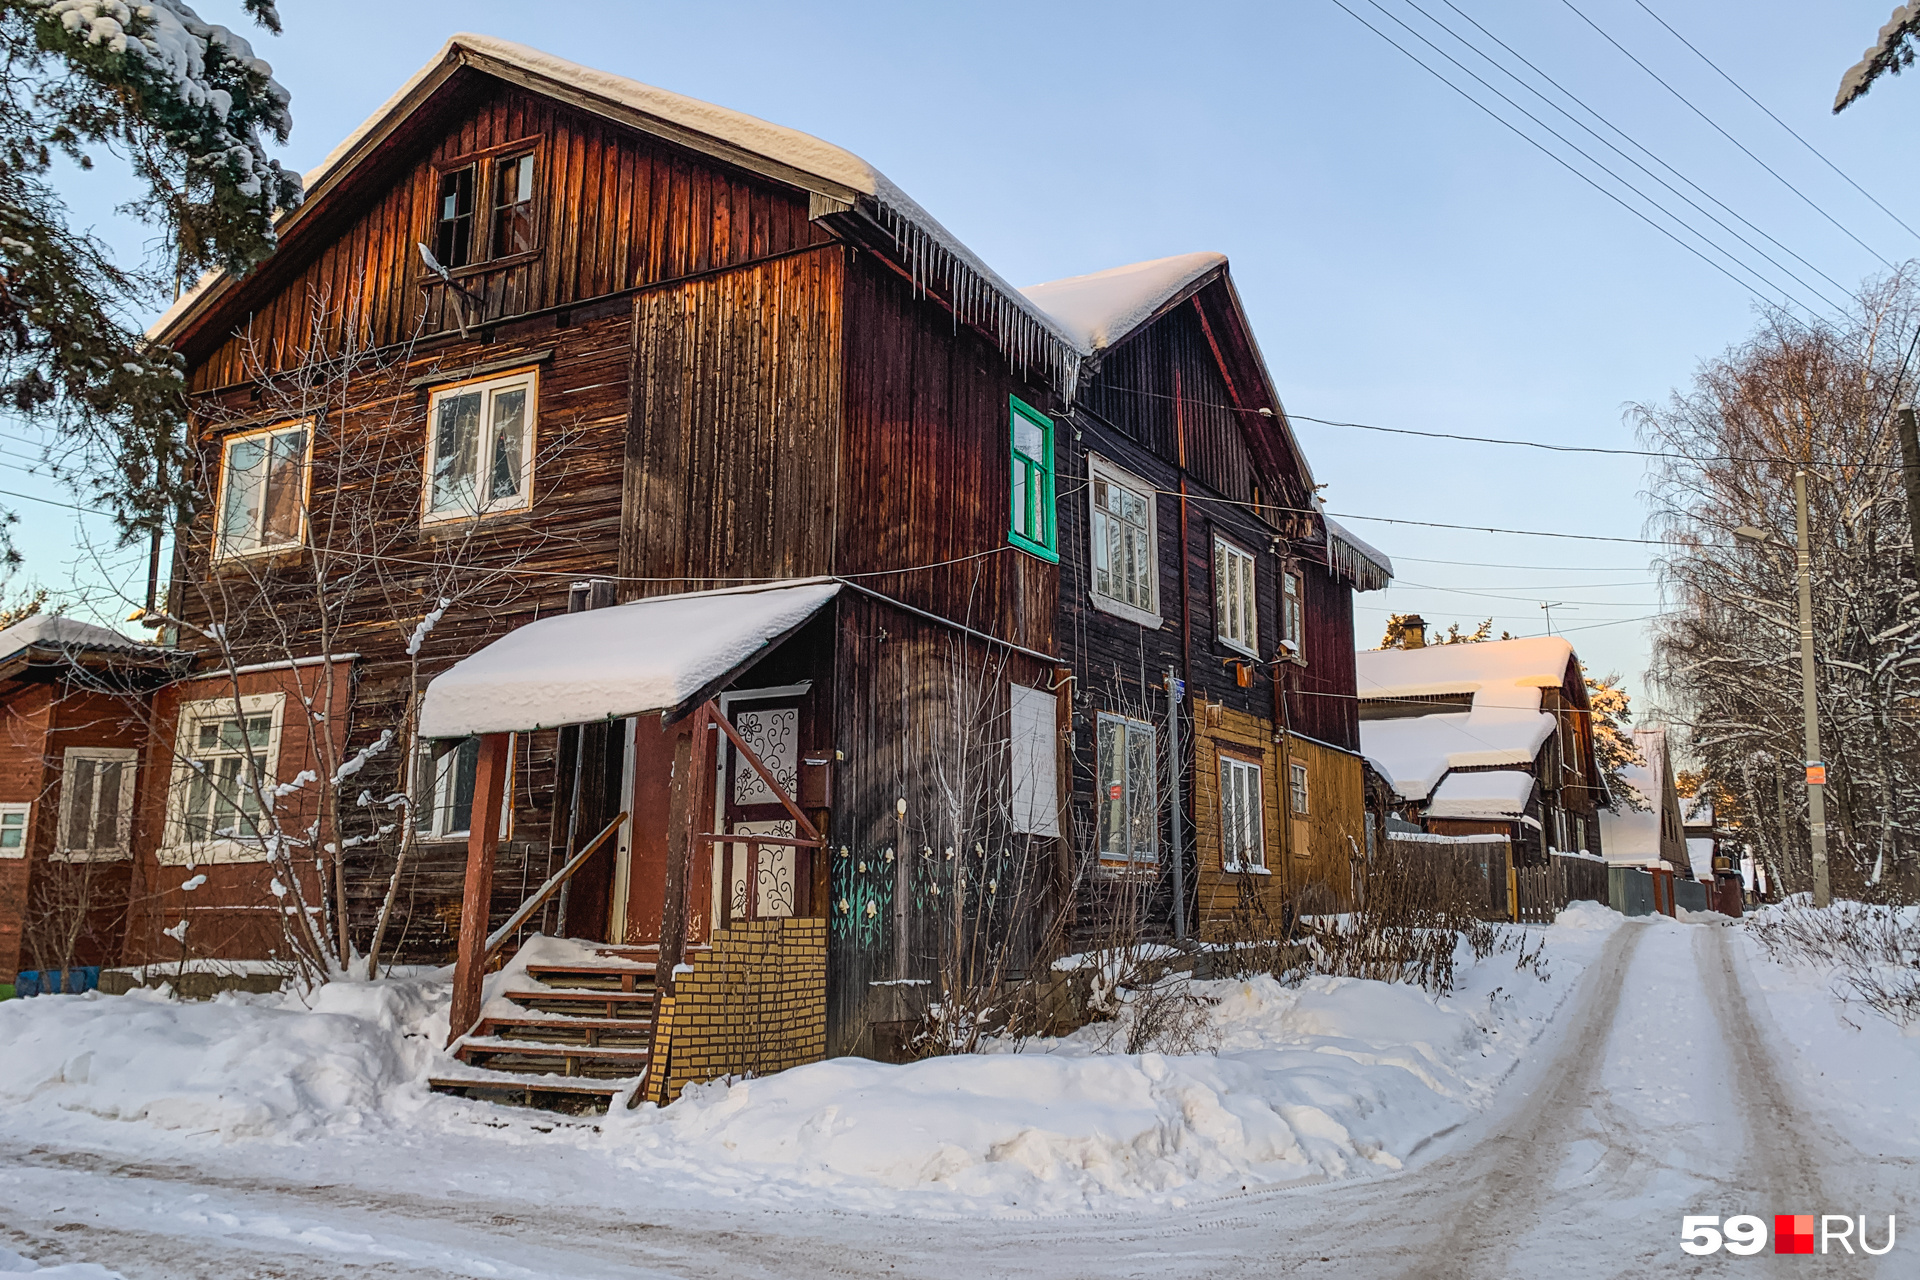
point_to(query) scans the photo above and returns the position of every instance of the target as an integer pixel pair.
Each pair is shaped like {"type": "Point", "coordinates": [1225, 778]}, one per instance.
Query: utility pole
{"type": "Point", "coordinates": [1910, 469]}
{"type": "Point", "coordinates": [1816, 766]}
{"type": "Point", "coordinates": [1176, 693]}
{"type": "Point", "coordinates": [1809, 702]}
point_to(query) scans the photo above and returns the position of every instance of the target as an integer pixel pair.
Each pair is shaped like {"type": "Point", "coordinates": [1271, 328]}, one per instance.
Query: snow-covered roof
{"type": "Point", "coordinates": [1495, 795]}
{"type": "Point", "coordinates": [1100, 310]}
{"type": "Point", "coordinates": [1498, 673]}
{"type": "Point", "coordinates": [650, 655]}
{"type": "Point", "coordinates": [1700, 856]}
{"type": "Point", "coordinates": [1365, 565]}
{"type": "Point", "coordinates": [1028, 335]}
{"type": "Point", "coordinates": [1634, 834]}
{"type": "Point", "coordinates": [1416, 752]}
{"type": "Point", "coordinates": [50, 631]}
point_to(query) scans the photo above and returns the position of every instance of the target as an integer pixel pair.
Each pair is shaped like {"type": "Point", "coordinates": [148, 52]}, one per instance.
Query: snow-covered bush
{"type": "Point", "coordinates": [1872, 951]}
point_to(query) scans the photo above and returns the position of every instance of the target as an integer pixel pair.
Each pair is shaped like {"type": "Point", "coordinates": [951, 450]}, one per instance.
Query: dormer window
{"type": "Point", "coordinates": [453, 238]}
{"type": "Point", "coordinates": [484, 207]}
{"type": "Point", "coordinates": [513, 206]}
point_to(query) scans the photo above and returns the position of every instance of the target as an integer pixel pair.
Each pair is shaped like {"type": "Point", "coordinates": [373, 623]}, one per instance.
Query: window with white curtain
{"type": "Point", "coordinates": [1235, 601]}
{"type": "Point", "coordinates": [480, 442]}
{"type": "Point", "coordinates": [1242, 847]}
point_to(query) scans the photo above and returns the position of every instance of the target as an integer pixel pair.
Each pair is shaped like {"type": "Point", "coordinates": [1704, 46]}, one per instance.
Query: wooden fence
{"type": "Point", "coordinates": [1480, 870]}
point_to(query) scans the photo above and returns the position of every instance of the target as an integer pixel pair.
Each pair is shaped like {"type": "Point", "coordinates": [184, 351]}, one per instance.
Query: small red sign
{"type": "Point", "coordinates": [1793, 1233]}
{"type": "Point", "coordinates": [1816, 775]}
{"type": "Point", "coordinates": [1113, 792]}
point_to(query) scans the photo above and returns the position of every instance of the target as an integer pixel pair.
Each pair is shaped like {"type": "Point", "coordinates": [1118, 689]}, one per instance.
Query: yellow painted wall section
{"type": "Point", "coordinates": [1308, 856]}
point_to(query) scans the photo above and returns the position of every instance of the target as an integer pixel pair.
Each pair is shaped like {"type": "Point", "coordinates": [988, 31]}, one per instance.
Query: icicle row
{"type": "Point", "coordinates": [1021, 338]}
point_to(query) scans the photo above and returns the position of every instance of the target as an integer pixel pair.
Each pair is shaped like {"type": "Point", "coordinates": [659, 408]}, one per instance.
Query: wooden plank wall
{"type": "Point", "coordinates": [730, 459]}
{"type": "Point", "coordinates": [1166, 380]}
{"type": "Point", "coordinates": [25, 714]}
{"type": "Point", "coordinates": [385, 570]}
{"type": "Point", "coordinates": [905, 738]}
{"type": "Point", "coordinates": [617, 210]}
{"type": "Point", "coordinates": [925, 464]}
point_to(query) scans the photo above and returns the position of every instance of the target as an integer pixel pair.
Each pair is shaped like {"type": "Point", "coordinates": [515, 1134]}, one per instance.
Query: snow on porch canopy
{"type": "Point", "coordinates": [651, 655]}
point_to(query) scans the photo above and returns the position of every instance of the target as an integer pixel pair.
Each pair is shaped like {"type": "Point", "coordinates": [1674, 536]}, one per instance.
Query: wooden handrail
{"type": "Point", "coordinates": [498, 937]}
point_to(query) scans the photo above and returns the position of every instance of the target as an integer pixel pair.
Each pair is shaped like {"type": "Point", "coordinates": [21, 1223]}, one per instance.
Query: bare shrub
{"type": "Point", "coordinates": [1873, 951]}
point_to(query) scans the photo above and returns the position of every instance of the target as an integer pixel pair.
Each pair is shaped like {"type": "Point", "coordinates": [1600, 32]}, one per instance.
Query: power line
{"type": "Point", "coordinates": [1643, 149]}
{"type": "Point", "coordinates": [1583, 448]}
{"type": "Point", "coordinates": [1493, 595]}
{"type": "Point", "coordinates": [1723, 133]}
{"type": "Point", "coordinates": [1475, 528]}
{"type": "Point", "coordinates": [1589, 158]}
{"type": "Point", "coordinates": [1847, 178]}
{"type": "Point", "coordinates": [33, 497]}
{"type": "Point", "coordinates": [1548, 152]}
{"type": "Point", "coordinates": [1292, 416]}
{"type": "Point", "coordinates": [1542, 568]}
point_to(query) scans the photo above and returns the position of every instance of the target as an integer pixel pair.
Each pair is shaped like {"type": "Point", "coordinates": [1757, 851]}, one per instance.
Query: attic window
{"type": "Point", "coordinates": [453, 237]}
{"type": "Point", "coordinates": [513, 206]}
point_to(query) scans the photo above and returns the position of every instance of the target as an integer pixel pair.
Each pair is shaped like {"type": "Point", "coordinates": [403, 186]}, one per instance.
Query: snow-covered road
{"type": "Point", "coordinates": [1679, 1079]}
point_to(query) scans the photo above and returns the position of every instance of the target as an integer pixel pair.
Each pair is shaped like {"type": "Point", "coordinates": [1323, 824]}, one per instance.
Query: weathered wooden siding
{"type": "Point", "coordinates": [24, 718]}
{"type": "Point", "coordinates": [1164, 389]}
{"type": "Point", "coordinates": [616, 209]}
{"type": "Point", "coordinates": [920, 717]}
{"type": "Point", "coordinates": [730, 457]}
{"type": "Point", "coordinates": [925, 465]}
{"type": "Point", "coordinates": [1320, 696]}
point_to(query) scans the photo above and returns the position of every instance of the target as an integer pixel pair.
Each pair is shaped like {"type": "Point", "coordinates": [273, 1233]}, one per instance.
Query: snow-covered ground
{"type": "Point", "coordinates": [1554, 1127]}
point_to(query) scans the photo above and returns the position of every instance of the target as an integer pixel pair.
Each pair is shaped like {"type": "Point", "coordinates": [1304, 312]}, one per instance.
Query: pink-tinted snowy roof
{"type": "Point", "coordinates": [1100, 310]}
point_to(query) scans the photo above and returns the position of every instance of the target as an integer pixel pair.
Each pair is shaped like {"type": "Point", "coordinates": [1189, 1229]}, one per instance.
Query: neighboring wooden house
{"type": "Point", "coordinates": [1494, 737]}
{"type": "Point", "coordinates": [72, 747]}
{"type": "Point", "coordinates": [1193, 556]}
{"type": "Point", "coordinates": [653, 460]}
{"type": "Point", "coordinates": [1649, 836]}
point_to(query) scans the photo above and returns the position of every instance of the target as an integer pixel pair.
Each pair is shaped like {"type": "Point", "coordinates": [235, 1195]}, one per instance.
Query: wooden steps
{"type": "Point", "coordinates": [571, 1039]}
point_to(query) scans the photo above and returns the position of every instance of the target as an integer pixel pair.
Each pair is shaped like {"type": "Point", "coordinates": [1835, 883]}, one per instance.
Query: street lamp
{"type": "Point", "coordinates": [1816, 767]}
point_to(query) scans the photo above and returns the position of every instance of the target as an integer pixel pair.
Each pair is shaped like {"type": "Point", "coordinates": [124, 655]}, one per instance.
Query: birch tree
{"type": "Point", "coordinates": [1821, 398]}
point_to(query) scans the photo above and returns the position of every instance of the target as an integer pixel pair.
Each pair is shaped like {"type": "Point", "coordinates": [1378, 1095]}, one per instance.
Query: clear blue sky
{"type": "Point", "coordinates": [1406, 260]}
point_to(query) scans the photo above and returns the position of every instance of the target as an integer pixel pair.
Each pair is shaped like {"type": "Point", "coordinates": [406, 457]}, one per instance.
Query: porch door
{"type": "Point", "coordinates": [770, 723]}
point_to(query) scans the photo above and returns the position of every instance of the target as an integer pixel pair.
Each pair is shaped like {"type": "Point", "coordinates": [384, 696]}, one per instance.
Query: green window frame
{"type": "Point", "coordinates": [1031, 522]}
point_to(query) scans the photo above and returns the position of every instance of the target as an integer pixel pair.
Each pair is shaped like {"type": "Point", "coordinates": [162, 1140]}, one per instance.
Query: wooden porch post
{"type": "Point", "coordinates": [476, 903]}
{"type": "Point", "coordinates": [689, 812]}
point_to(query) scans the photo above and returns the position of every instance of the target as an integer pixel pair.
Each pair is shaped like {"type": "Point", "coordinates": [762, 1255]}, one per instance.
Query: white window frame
{"type": "Point", "coordinates": [1236, 624]}
{"type": "Point", "coordinates": [1299, 789]}
{"type": "Point", "coordinates": [1132, 855]}
{"type": "Point", "coordinates": [1241, 782]}
{"type": "Point", "coordinates": [71, 759]}
{"type": "Point", "coordinates": [1100, 471]}
{"type": "Point", "coordinates": [439, 793]}
{"type": "Point", "coordinates": [177, 849]}
{"type": "Point", "coordinates": [1033, 757]}
{"type": "Point", "coordinates": [223, 548]}
{"type": "Point", "coordinates": [486, 388]}
{"type": "Point", "coordinates": [24, 810]}
{"type": "Point", "coordinates": [1293, 614]}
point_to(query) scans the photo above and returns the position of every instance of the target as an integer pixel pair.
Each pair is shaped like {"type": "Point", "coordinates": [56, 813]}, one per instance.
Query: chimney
{"type": "Point", "coordinates": [1413, 632]}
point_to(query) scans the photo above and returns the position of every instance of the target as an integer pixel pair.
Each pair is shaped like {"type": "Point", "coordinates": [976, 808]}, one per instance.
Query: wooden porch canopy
{"type": "Point", "coordinates": [667, 654]}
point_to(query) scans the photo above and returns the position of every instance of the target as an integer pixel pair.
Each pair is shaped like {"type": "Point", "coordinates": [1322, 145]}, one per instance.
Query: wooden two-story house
{"type": "Point", "coordinates": [1486, 738]}
{"type": "Point", "coordinates": [636, 521]}
{"type": "Point", "coordinates": [1195, 559]}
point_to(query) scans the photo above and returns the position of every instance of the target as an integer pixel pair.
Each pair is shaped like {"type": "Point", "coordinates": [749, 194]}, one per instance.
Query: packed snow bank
{"type": "Point", "coordinates": [1859, 1066]}
{"type": "Point", "coordinates": [1335, 1078]}
{"type": "Point", "coordinates": [12, 1264]}
{"type": "Point", "coordinates": [239, 1065]}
